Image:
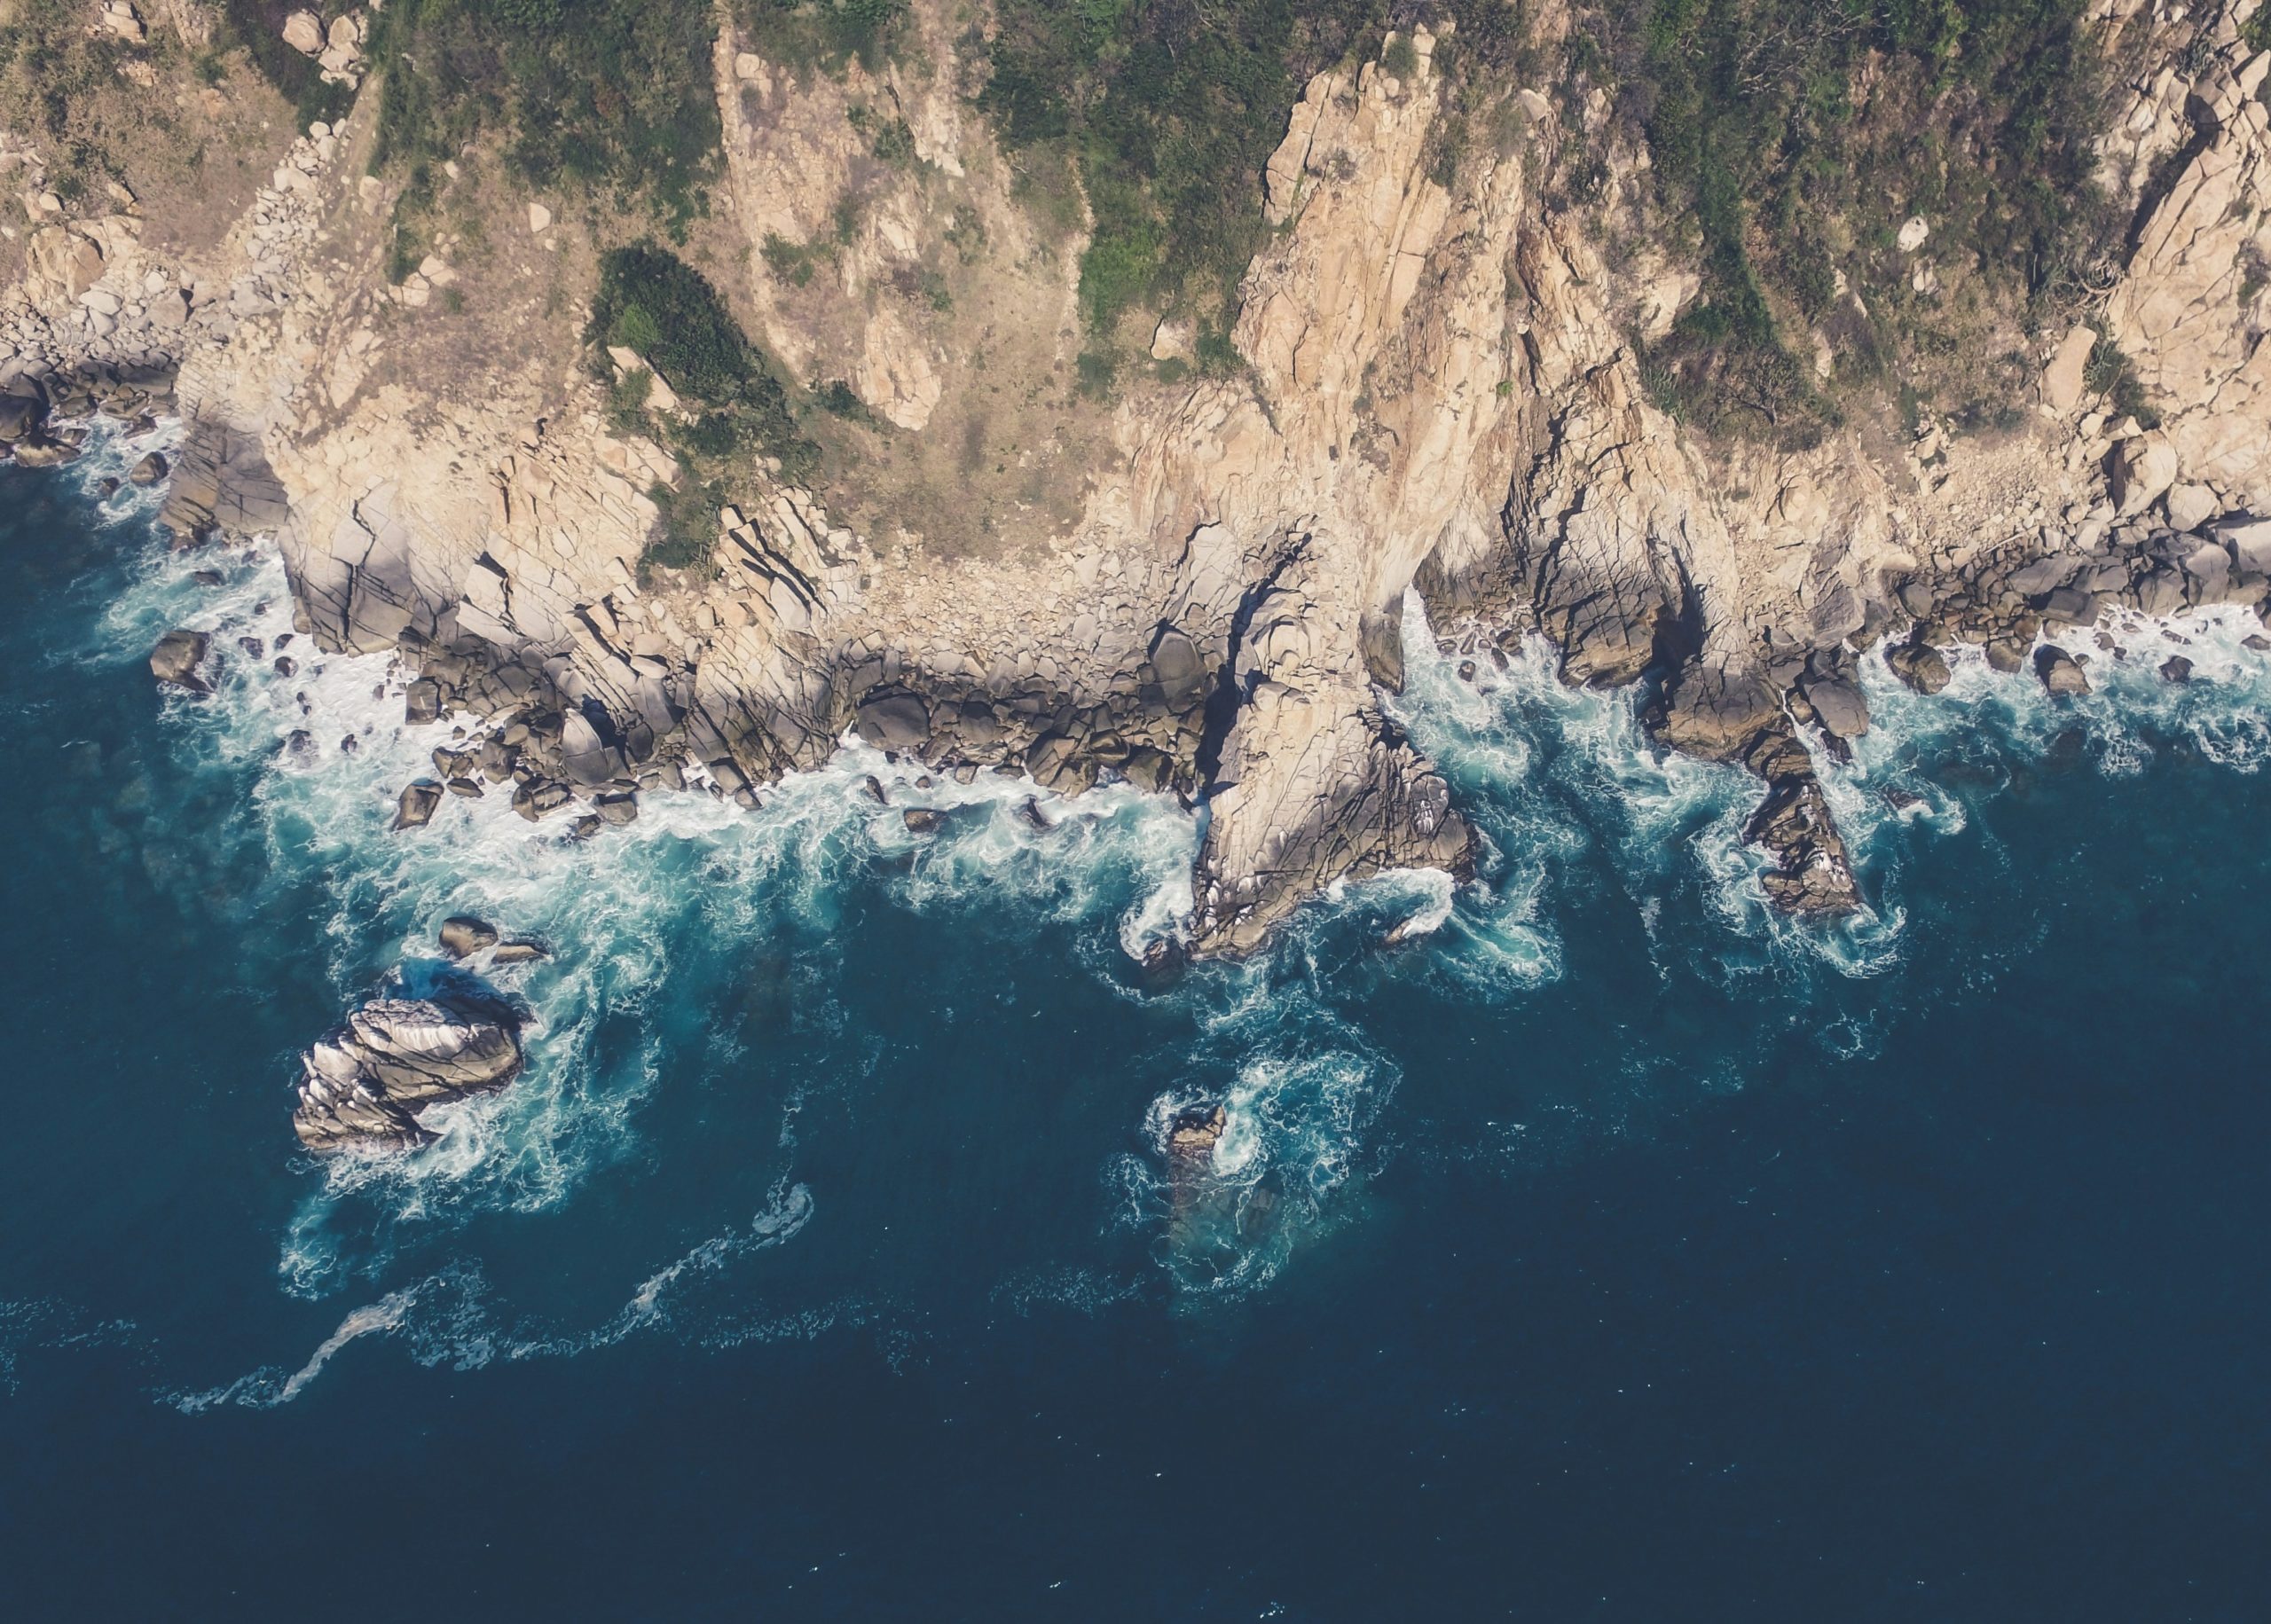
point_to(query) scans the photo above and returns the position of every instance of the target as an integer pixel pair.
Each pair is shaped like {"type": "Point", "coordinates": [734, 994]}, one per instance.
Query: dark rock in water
{"type": "Point", "coordinates": [283, 640]}
{"type": "Point", "coordinates": [2005, 657]}
{"type": "Point", "coordinates": [1919, 665]}
{"type": "Point", "coordinates": [206, 577]}
{"type": "Point", "coordinates": [2257, 641]}
{"type": "Point", "coordinates": [2059, 670]}
{"type": "Point", "coordinates": [538, 800]}
{"type": "Point", "coordinates": [1901, 800]}
{"type": "Point", "coordinates": [1467, 670]}
{"type": "Point", "coordinates": [252, 646]}
{"type": "Point", "coordinates": [586, 826]}
{"type": "Point", "coordinates": [1839, 706]}
{"type": "Point", "coordinates": [617, 810]}
{"type": "Point", "coordinates": [421, 703]}
{"type": "Point", "coordinates": [107, 486]}
{"type": "Point", "coordinates": [922, 820]}
{"type": "Point", "coordinates": [177, 657]}
{"type": "Point", "coordinates": [416, 807]}
{"type": "Point", "coordinates": [1193, 1133]}
{"type": "Point", "coordinates": [20, 417]}
{"type": "Point", "coordinates": [45, 453]}
{"type": "Point", "coordinates": [300, 746]}
{"type": "Point", "coordinates": [286, 666]}
{"type": "Point", "coordinates": [875, 787]}
{"type": "Point", "coordinates": [1163, 956]}
{"type": "Point", "coordinates": [1031, 809]}
{"type": "Point", "coordinates": [518, 953]}
{"type": "Point", "coordinates": [149, 471]}
{"type": "Point", "coordinates": [1813, 876]}
{"type": "Point", "coordinates": [350, 746]}
{"type": "Point", "coordinates": [462, 936]}
{"type": "Point", "coordinates": [2176, 668]}
{"type": "Point", "coordinates": [469, 788]}
{"type": "Point", "coordinates": [363, 1083]}
{"type": "Point", "coordinates": [1715, 712]}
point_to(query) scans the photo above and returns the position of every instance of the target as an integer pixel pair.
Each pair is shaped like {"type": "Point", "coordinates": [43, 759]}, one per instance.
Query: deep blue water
{"type": "Point", "coordinates": [1616, 1252]}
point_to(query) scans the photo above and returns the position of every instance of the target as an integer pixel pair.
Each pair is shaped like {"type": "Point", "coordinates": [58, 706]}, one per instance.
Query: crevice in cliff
{"type": "Point", "coordinates": [1222, 704]}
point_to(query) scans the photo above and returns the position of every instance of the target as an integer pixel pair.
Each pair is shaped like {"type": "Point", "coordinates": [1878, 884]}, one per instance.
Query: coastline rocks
{"type": "Point", "coordinates": [1813, 876]}
{"type": "Point", "coordinates": [2176, 669]}
{"type": "Point", "coordinates": [462, 936]}
{"type": "Point", "coordinates": [363, 1083]}
{"type": "Point", "coordinates": [922, 820]}
{"type": "Point", "coordinates": [149, 471]}
{"type": "Point", "coordinates": [2060, 671]}
{"type": "Point", "coordinates": [1919, 665]}
{"type": "Point", "coordinates": [177, 657]}
{"type": "Point", "coordinates": [1196, 1129]}
{"type": "Point", "coordinates": [416, 807]}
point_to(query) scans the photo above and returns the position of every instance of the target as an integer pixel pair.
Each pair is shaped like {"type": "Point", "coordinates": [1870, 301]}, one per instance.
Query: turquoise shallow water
{"type": "Point", "coordinates": [1617, 1250]}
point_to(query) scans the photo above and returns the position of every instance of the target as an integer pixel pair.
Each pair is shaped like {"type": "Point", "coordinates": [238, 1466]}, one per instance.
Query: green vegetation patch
{"type": "Point", "coordinates": [1788, 132]}
{"type": "Point", "coordinates": [823, 33]}
{"type": "Point", "coordinates": [613, 95]}
{"type": "Point", "coordinates": [733, 405]}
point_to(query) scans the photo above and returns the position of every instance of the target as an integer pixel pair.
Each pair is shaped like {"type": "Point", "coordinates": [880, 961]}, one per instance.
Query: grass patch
{"type": "Point", "coordinates": [614, 95]}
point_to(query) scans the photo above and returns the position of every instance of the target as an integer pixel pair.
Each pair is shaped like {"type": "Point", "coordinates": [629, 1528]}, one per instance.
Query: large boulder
{"type": "Point", "coordinates": [895, 722]}
{"type": "Point", "coordinates": [20, 417]}
{"type": "Point", "coordinates": [363, 1083]}
{"type": "Point", "coordinates": [1919, 665]}
{"type": "Point", "coordinates": [149, 471]}
{"type": "Point", "coordinates": [415, 809]}
{"type": "Point", "coordinates": [177, 657]}
{"type": "Point", "coordinates": [1839, 705]}
{"type": "Point", "coordinates": [2060, 671]}
{"type": "Point", "coordinates": [1715, 711]}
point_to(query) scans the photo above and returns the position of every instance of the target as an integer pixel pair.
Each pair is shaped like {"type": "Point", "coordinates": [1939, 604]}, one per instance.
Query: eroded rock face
{"type": "Point", "coordinates": [363, 1084]}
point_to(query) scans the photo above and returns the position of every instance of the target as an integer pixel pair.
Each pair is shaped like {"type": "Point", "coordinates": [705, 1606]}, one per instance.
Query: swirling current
{"type": "Point", "coordinates": [1609, 1244]}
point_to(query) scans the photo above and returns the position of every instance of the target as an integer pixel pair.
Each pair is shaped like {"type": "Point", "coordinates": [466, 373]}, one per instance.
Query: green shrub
{"type": "Point", "coordinates": [615, 95]}
{"type": "Point", "coordinates": [824, 33]}
{"type": "Point", "coordinates": [653, 302]}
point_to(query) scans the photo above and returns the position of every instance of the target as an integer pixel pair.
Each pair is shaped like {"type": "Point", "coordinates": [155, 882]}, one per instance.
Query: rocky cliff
{"type": "Point", "coordinates": [1435, 378]}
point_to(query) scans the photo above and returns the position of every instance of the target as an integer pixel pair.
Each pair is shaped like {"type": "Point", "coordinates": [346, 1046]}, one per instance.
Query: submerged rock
{"type": "Point", "coordinates": [363, 1083]}
{"type": "Point", "coordinates": [177, 657]}
{"type": "Point", "coordinates": [2176, 668]}
{"type": "Point", "coordinates": [922, 820]}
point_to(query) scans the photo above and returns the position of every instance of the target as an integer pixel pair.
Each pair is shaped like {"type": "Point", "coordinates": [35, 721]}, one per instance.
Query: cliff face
{"type": "Point", "coordinates": [1197, 584]}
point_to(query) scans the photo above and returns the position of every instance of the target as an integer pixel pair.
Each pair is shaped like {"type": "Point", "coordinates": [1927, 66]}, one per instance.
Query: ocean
{"type": "Point", "coordinates": [1615, 1249]}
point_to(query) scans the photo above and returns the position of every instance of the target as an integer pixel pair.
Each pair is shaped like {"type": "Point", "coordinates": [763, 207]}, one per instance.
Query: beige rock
{"type": "Point", "coordinates": [1912, 232]}
{"type": "Point", "coordinates": [539, 219]}
{"type": "Point", "coordinates": [2190, 506]}
{"type": "Point", "coordinates": [304, 33]}
{"type": "Point", "coordinates": [2061, 383]}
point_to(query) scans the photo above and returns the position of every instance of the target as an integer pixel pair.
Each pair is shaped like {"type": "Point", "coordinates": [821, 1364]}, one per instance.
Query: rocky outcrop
{"type": "Point", "coordinates": [364, 1084]}
{"type": "Point", "coordinates": [177, 657]}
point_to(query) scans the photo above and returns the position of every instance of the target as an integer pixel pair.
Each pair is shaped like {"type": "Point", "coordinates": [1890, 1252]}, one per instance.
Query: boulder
{"type": "Point", "coordinates": [415, 809]}
{"type": "Point", "coordinates": [2176, 669]}
{"type": "Point", "coordinates": [1715, 712]}
{"type": "Point", "coordinates": [518, 953]}
{"type": "Point", "coordinates": [1813, 876]}
{"type": "Point", "coordinates": [2190, 506]}
{"type": "Point", "coordinates": [462, 936]}
{"type": "Point", "coordinates": [1192, 1135]}
{"type": "Point", "coordinates": [2072, 606]}
{"type": "Point", "coordinates": [177, 657]}
{"type": "Point", "coordinates": [1839, 706]}
{"type": "Point", "coordinates": [2060, 671]}
{"type": "Point", "coordinates": [363, 1084]}
{"type": "Point", "coordinates": [421, 703]}
{"type": "Point", "coordinates": [2250, 541]}
{"type": "Point", "coordinates": [922, 820]}
{"type": "Point", "coordinates": [20, 417]}
{"type": "Point", "coordinates": [2143, 467]}
{"type": "Point", "coordinates": [618, 809]}
{"type": "Point", "coordinates": [149, 471]}
{"type": "Point", "coordinates": [895, 722]}
{"type": "Point", "coordinates": [303, 32]}
{"type": "Point", "coordinates": [45, 453]}
{"type": "Point", "coordinates": [1919, 665]}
